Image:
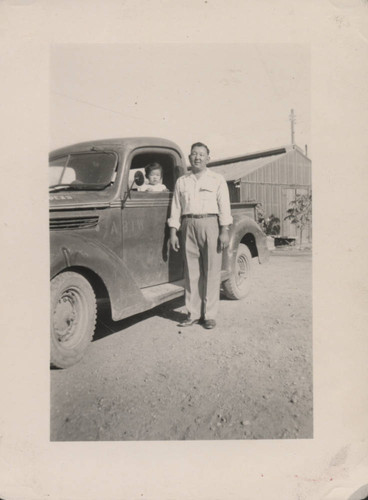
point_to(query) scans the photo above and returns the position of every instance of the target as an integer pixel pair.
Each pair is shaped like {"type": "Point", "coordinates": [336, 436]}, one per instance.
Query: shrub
{"type": "Point", "coordinates": [270, 225]}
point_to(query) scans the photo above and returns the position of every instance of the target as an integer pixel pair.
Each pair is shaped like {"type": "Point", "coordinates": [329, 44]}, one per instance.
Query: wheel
{"type": "Point", "coordinates": [73, 318]}
{"type": "Point", "coordinates": [237, 286]}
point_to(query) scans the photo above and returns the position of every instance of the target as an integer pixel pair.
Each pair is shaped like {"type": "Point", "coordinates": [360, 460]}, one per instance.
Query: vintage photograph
{"type": "Point", "coordinates": [176, 322]}
{"type": "Point", "coordinates": [180, 197]}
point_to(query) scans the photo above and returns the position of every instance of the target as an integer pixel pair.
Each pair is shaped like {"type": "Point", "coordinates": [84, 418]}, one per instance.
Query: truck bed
{"type": "Point", "coordinates": [245, 207]}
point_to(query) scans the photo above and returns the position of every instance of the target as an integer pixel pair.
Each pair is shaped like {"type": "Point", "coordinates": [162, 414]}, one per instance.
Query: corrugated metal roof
{"type": "Point", "coordinates": [250, 156]}
{"type": "Point", "coordinates": [235, 171]}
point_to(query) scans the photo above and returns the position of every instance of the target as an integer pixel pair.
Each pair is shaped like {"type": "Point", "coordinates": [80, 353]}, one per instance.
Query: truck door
{"type": "Point", "coordinates": [146, 250]}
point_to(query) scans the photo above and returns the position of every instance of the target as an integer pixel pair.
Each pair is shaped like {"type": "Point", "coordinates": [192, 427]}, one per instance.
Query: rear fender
{"type": "Point", "coordinates": [125, 296]}
{"type": "Point", "coordinates": [245, 230]}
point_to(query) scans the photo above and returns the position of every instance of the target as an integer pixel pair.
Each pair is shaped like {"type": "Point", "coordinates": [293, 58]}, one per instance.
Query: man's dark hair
{"type": "Point", "coordinates": [200, 145]}
{"type": "Point", "coordinates": [152, 166]}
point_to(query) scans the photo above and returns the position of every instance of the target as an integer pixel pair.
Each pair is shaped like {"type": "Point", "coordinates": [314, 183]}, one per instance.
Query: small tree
{"type": "Point", "coordinates": [300, 212]}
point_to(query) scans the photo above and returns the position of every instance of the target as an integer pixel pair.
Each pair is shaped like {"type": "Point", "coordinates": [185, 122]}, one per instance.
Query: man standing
{"type": "Point", "coordinates": [201, 206]}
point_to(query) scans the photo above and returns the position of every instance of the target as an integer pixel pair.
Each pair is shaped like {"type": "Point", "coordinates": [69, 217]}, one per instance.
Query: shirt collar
{"type": "Point", "coordinates": [206, 172]}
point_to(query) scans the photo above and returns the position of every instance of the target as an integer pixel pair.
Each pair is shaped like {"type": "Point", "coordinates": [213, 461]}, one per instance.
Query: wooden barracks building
{"type": "Point", "coordinates": [272, 177]}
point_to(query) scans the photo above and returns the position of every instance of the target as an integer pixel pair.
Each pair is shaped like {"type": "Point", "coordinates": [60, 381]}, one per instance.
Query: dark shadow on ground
{"type": "Point", "coordinates": [168, 310]}
{"type": "Point", "coordinates": [106, 326]}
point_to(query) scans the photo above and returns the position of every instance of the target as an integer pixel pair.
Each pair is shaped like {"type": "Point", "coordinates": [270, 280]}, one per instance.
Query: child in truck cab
{"type": "Point", "coordinates": [154, 175]}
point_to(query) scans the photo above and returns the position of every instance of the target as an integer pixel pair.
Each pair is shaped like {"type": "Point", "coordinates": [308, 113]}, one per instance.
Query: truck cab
{"type": "Point", "coordinates": [110, 239]}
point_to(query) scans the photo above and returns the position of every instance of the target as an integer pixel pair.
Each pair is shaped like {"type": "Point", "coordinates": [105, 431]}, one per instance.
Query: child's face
{"type": "Point", "coordinates": [154, 177]}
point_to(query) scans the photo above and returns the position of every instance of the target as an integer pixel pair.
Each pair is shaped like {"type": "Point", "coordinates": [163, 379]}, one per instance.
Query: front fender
{"type": "Point", "coordinates": [78, 251]}
{"type": "Point", "coordinates": [244, 228]}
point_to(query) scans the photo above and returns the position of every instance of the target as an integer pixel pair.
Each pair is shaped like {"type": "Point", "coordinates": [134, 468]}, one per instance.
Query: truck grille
{"type": "Point", "coordinates": [74, 223]}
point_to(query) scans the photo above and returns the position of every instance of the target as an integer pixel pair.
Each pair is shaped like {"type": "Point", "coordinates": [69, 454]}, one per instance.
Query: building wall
{"type": "Point", "coordinates": [275, 185]}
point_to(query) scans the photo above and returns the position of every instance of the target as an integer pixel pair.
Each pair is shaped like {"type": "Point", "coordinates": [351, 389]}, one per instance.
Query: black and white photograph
{"type": "Point", "coordinates": [183, 272]}
{"type": "Point", "coordinates": [180, 242]}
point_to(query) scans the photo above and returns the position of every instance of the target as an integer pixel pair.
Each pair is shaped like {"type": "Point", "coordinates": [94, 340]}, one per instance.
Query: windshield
{"type": "Point", "coordinates": [83, 171]}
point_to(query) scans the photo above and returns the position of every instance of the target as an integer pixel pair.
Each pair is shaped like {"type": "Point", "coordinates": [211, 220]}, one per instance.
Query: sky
{"type": "Point", "coordinates": [234, 97]}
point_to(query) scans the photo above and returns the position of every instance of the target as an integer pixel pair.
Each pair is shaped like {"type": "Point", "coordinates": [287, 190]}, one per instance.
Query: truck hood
{"type": "Point", "coordinates": [59, 200]}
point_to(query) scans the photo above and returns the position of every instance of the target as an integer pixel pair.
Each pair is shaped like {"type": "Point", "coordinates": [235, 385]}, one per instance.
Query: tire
{"type": "Point", "coordinates": [237, 286]}
{"type": "Point", "coordinates": [73, 318]}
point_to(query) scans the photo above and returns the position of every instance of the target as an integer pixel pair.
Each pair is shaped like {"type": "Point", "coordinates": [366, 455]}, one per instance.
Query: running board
{"type": "Point", "coordinates": [157, 294]}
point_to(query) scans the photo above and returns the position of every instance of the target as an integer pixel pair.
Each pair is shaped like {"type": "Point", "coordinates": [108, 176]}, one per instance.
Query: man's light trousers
{"type": "Point", "coordinates": [202, 260]}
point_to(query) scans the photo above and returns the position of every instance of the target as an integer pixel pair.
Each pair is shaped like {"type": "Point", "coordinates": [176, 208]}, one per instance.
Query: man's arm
{"type": "Point", "coordinates": [225, 218]}
{"type": "Point", "coordinates": [174, 240]}
{"type": "Point", "coordinates": [224, 237]}
{"type": "Point", "coordinates": [174, 221]}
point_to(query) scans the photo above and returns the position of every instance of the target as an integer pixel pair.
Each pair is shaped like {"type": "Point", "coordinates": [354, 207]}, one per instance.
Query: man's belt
{"type": "Point", "coordinates": [198, 216]}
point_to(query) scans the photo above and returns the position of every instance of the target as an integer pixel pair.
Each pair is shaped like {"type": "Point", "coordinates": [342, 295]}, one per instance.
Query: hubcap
{"type": "Point", "coordinates": [242, 270]}
{"type": "Point", "coordinates": [66, 314]}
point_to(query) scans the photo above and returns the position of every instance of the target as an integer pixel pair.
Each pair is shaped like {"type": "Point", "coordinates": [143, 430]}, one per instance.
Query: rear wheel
{"type": "Point", "coordinates": [237, 286]}
{"type": "Point", "coordinates": [73, 318]}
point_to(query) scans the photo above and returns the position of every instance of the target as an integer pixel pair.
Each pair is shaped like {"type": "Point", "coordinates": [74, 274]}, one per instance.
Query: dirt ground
{"type": "Point", "coordinates": [145, 378]}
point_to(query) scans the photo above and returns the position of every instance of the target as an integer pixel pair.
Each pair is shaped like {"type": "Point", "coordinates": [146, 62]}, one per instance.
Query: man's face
{"type": "Point", "coordinates": [154, 177]}
{"type": "Point", "coordinates": [199, 158]}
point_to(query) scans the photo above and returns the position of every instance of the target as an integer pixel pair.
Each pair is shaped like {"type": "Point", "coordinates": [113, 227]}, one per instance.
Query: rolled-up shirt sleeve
{"type": "Point", "coordinates": [174, 220]}
{"type": "Point", "coordinates": [223, 202]}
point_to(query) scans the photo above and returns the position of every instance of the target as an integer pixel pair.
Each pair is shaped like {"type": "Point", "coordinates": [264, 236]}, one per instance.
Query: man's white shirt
{"type": "Point", "coordinates": [207, 195]}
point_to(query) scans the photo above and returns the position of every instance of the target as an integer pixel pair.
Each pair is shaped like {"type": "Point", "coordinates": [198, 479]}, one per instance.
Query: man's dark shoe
{"type": "Point", "coordinates": [188, 322]}
{"type": "Point", "coordinates": [209, 324]}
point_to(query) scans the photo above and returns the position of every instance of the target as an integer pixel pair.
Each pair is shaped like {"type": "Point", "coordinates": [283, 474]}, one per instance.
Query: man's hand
{"type": "Point", "coordinates": [223, 237]}
{"type": "Point", "coordinates": [174, 240]}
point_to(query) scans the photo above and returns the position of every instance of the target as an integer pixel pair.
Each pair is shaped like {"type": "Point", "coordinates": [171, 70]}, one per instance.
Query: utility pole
{"type": "Point", "coordinates": [292, 121]}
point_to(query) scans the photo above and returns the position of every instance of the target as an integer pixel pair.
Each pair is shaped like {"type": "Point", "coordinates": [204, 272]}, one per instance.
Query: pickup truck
{"type": "Point", "coordinates": [110, 240]}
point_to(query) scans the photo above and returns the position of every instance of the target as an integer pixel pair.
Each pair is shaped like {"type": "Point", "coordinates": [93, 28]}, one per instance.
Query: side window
{"type": "Point", "coordinates": [158, 170]}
